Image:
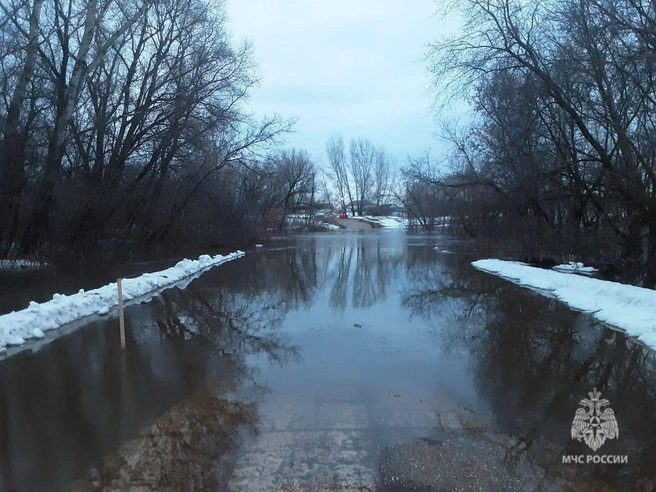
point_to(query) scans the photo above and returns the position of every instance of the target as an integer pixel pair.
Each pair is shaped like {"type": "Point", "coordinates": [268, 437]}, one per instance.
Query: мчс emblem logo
{"type": "Point", "coordinates": [595, 422]}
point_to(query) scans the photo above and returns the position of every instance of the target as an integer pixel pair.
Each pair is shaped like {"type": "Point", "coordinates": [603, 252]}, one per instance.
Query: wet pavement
{"type": "Point", "coordinates": [337, 361]}
{"type": "Point", "coordinates": [352, 224]}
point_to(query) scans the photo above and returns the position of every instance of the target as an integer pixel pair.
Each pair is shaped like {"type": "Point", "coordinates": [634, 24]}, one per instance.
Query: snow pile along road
{"type": "Point", "coordinates": [20, 265]}
{"type": "Point", "coordinates": [383, 221]}
{"type": "Point", "coordinates": [624, 306]}
{"type": "Point", "coordinates": [16, 327]}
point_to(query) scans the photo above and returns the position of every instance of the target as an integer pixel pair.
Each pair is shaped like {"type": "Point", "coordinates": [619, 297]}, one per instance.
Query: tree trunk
{"type": "Point", "coordinates": [12, 172]}
{"type": "Point", "coordinates": [649, 255]}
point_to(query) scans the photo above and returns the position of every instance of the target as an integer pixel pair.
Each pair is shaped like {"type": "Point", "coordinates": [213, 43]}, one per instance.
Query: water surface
{"type": "Point", "coordinates": [367, 361]}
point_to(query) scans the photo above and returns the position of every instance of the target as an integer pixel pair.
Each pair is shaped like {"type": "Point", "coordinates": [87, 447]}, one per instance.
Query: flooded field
{"type": "Point", "coordinates": [347, 361]}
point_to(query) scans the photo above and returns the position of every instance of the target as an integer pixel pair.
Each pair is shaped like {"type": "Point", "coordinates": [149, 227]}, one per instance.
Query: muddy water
{"type": "Point", "coordinates": [331, 362]}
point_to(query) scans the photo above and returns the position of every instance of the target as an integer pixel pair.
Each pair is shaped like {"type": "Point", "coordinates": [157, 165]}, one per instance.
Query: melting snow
{"type": "Point", "coordinates": [627, 307]}
{"type": "Point", "coordinates": [384, 221]}
{"type": "Point", "coordinates": [20, 265]}
{"type": "Point", "coordinates": [17, 327]}
{"type": "Point", "coordinates": [575, 267]}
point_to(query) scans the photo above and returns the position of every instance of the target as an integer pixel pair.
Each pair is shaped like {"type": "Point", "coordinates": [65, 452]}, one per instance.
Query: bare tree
{"type": "Point", "coordinates": [118, 118]}
{"type": "Point", "coordinates": [565, 94]}
{"type": "Point", "coordinates": [382, 177]}
{"type": "Point", "coordinates": [14, 136]}
{"type": "Point", "coordinates": [363, 159]}
{"type": "Point", "coordinates": [295, 171]}
{"type": "Point", "coordinates": [338, 171]}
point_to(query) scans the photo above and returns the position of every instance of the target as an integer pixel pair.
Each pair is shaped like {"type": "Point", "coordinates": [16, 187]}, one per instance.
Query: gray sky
{"type": "Point", "coordinates": [348, 66]}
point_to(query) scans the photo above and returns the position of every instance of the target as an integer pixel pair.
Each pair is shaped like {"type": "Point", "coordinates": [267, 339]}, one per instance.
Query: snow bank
{"type": "Point", "coordinates": [384, 221]}
{"type": "Point", "coordinates": [16, 327]}
{"type": "Point", "coordinates": [392, 222]}
{"type": "Point", "coordinates": [330, 227]}
{"type": "Point", "coordinates": [624, 306]}
{"type": "Point", "coordinates": [292, 219]}
{"type": "Point", "coordinates": [575, 267]}
{"type": "Point", "coordinates": [20, 265]}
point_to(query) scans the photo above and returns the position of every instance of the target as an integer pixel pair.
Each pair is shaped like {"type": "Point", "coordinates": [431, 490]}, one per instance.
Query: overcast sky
{"type": "Point", "coordinates": [349, 66]}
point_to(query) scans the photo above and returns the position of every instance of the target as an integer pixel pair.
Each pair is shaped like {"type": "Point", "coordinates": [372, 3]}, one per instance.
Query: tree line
{"type": "Point", "coordinates": [561, 155]}
{"type": "Point", "coordinates": [362, 176]}
{"type": "Point", "coordinates": [123, 124]}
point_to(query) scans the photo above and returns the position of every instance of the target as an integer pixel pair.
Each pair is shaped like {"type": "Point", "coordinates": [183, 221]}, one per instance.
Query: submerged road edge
{"type": "Point", "coordinates": [17, 327]}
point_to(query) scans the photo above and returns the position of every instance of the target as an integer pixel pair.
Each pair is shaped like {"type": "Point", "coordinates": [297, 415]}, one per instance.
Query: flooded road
{"type": "Point", "coordinates": [345, 361]}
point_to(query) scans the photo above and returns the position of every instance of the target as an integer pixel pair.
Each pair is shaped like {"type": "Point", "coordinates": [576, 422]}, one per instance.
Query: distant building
{"type": "Point", "coordinates": [355, 205]}
{"type": "Point", "coordinates": [370, 208]}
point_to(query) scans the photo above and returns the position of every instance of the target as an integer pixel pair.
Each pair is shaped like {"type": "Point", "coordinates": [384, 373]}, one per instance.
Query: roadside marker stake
{"type": "Point", "coordinates": [121, 318]}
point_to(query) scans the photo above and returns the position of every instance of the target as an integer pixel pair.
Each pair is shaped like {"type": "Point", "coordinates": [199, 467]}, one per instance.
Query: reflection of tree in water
{"type": "Point", "coordinates": [339, 294]}
{"type": "Point", "coordinates": [358, 272]}
{"type": "Point", "coordinates": [227, 321]}
{"type": "Point", "coordinates": [361, 273]}
{"type": "Point", "coordinates": [538, 359]}
{"type": "Point", "coordinates": [179, 451]}
{"type": "Point", "coordinates": [289, 276]}
{"type": "Point", "coordinates": [85, 397]}
{"type": "Point", "coordinates": [232, 322]}
{"type": "Point", "coordinates": [535, 359]}
{"type": "Point", "coordinates": [432, 290]}
{"type": "Point", "coordinates": [450, 294]}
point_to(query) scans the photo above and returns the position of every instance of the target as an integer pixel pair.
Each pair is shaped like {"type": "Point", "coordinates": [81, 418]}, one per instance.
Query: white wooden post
{"type": "Point", "coordinates": [121, 318]}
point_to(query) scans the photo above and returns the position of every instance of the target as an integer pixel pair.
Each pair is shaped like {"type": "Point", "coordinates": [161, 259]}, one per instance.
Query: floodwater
{"type": "Point", "coordinates": [359, 361]}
